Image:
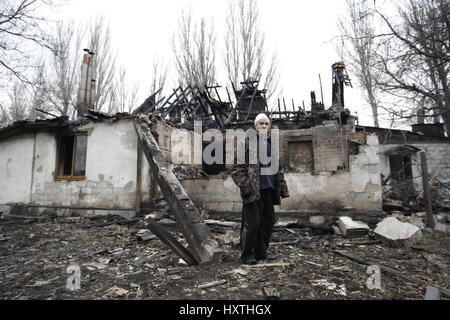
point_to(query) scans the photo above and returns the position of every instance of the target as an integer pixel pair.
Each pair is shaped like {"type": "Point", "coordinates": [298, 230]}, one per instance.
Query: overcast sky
{"type": "Point", "coordinates": [300, 32]}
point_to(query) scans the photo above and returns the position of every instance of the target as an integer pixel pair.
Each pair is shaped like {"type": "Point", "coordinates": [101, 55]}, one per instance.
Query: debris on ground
{"type": "Point", "coordinates": [271, 293]}
{"type": "Point", "coordinates": [117, 292]}
{"type": "Point", "coordinates": [212, 284]}
{"type": "Point", "coordinates": [115, 264]}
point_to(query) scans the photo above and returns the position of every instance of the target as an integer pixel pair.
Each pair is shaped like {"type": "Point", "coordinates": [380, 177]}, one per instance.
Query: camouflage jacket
{"type": "Point", "coordinates": [246, 177]}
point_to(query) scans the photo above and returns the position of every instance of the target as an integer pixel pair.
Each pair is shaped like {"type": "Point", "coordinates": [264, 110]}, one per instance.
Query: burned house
{"type": "Point", "coordinates": [95, 164]}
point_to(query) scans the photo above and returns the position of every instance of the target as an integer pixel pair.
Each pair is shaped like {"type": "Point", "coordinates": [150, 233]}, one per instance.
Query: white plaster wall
{"type": "Point", "coordinates": [110, 170]}
{"type": "Point", "coordinates": [16, 160]}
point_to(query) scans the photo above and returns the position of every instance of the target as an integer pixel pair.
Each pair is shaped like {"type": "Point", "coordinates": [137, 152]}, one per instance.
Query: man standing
{"type": "Point", "coordinates": [260, 189]}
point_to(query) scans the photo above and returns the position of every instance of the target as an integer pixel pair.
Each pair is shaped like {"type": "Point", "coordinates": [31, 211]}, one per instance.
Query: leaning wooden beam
{"type": "Point", "coordinates": [197, 234]}
{"type": "Point", "coordinates": [172, 243]}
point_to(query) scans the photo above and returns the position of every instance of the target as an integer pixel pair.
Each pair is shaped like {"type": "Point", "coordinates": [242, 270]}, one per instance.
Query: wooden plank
{"type": "Point", "coordinates": [286, 243]}
{"type": "Point", "coordinates": [313, 263]}
{"type": "Point", "coordinates": [236, 108]}
{"type": "Point", "coordinates": [269, 265]}
{"type": "Point", "coordinates": [198, 236]}
{"type": "Point", "coordinates": [212, 284]}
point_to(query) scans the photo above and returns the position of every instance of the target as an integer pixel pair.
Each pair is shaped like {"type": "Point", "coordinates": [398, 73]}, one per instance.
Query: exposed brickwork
{"type": "Point", "coordinates": [329, 147]}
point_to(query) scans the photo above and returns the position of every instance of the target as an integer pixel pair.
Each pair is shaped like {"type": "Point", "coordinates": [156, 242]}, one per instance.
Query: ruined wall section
{"type": "Point", "coordinates": [330, 146]}
{"type": "Point", "coordinates": [365, 178]}
{"type": "Point", "coordinates": [335, 181]}
{"type": "Point", "coordinates": [438, 155]}
{"type": "Point", "coordinates": [16, 165]}
{"type": "Point", "coordinates": [164, 138]}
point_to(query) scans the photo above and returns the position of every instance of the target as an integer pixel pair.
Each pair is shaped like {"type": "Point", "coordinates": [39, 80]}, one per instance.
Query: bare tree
{"type": "Point", "coordinates": [25, 100]}
{"type": "Point", "coordinates": [21, 31]}
{"type": "Point", "coordinates": [39, 98]}
{"type": "Point", "coordinates": [4, 116]}
{"type": "Point", "coordinates": [4, 119]}
{"type": "Point", "coordinates": [194, 51]}
{"type": "Point", "coordinates": [100, 42]}
{"type": "Point", "coordinates": [54, 87]}
{"type": "Point", "coordinates": [414, 63]}
{"type": "Point", "coordinates": [121, 97]}
{"type": "Point", "coordinates": [63, 72]}
{"type": "Point", "coordinates": [359, 47]}
{"type": "Point", "coordinates": [158, 77]}
{"type": "Point", "coordinates": [245, 48]}
{"type": "Point", "coordinates": [19, 102]}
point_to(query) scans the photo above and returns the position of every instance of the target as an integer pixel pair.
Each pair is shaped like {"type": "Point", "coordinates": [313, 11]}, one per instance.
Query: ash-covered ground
{"type": "Point", "coordinates": [115, 263]}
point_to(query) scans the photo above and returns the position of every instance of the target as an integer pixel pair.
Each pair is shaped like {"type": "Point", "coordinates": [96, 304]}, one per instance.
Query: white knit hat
{"type": "Point", "coordinates": [261, 117]}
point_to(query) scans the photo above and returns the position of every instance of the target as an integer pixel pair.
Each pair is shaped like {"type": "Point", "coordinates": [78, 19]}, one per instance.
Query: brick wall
{"type": "Point", "coordinates": [329, 146]}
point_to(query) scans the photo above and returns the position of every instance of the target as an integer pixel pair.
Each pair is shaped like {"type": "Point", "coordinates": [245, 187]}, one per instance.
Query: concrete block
{"type": "Point", "coordinates": [395, 233]}
{"type": "Point", "coordinates": [317, 220]}
{"type": "Point", "coordinates": [352, 228]}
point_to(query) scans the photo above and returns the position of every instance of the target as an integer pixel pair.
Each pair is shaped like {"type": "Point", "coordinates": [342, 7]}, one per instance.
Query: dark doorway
{"type": "Point", "coordinates": [402, 175]}
{"type": "Point", "coordinates": [214, 168]}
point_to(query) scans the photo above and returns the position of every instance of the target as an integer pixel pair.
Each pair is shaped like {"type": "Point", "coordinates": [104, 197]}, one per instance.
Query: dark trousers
{"type": "Point", "coordinates": [258, 219]}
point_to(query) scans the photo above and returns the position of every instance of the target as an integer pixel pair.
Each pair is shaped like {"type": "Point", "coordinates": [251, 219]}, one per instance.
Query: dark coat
{"type": "Point", "coordinates": [246, 177]}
